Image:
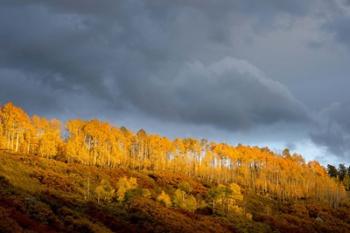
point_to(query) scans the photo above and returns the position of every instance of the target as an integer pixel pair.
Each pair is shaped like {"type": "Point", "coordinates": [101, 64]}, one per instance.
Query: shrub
{"type": "Point", "coordinates": [249, 216]}
{"type": "Point", "coordinates": [146, 193]}
{"type": "Point", "coordinates": [191, 203]}
{"type": "Point", "coordinates": [104, 191]}
{"type": "Point", "coordinates": [164, 199]}
{"type": "Point", "coordinates": [124, 185]}
{"type": "Point", "coordinates": [185, 186]}
{"type": "Point", "coordinates": [224, 198]}
{"type": "Point", "coordinates": [184, 201]}
{"type": "Point", "coordinates": [136, 192]}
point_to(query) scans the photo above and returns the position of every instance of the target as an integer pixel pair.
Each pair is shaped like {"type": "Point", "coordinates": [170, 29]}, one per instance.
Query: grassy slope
{"type": "Point", "coordinates": [41, 195]}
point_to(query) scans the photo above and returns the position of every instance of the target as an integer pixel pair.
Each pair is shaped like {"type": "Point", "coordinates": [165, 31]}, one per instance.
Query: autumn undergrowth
{"type": "Point", "coordinates": [46, 195]}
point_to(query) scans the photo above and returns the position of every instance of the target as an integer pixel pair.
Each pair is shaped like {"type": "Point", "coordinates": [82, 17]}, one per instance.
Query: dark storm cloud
{"type": "Point", "coordinates": [18, 88]}
{"type": "Point", "coordinates": [338, 23]}
{"type": "Point", "coordinates": [110, 7]}
{"type": "Point", "coordinates": [230, 93]}
{"type": "Point", "coordinates": [340, 27]}
{"type": "Point", "coordinates": [333, 122]}
{"type": "Point", "coordinates": [334, 129]}
{"type": "Point", "coordinates": [163, 59]}
{"type": "Point", "coordinates": [56, 47]}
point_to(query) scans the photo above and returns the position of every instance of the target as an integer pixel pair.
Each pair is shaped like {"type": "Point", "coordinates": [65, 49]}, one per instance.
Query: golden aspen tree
{"type": "Point", "coordinates": [47, 136]}
{"type": "Point", "coordinates": [141, 148]}
{"type": "Point", "coordinates": [15, 122]}
{"type": "Point", "coordinates": [346, 182]}
{"type": "Point", "coordinates": [179, 156]}
{"type": "Point", "coordinates": [2, 137]}
{"type": "Point", "coordinates": [118, 147]}
{"type": "Point", "coordinates": [167, 150]}
{"type": "Point", "coordinates": [76, 148]}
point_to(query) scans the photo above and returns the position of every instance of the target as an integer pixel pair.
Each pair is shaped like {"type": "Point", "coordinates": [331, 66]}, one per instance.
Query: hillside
{"type": "Point", "coordinates": [42, 195]}
{"type": "Point", "coordinates": [91, 176]}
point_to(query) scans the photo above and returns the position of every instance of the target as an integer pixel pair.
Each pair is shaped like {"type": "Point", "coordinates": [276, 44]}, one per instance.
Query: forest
{"type": "Point", "coordinates": [114, 180]}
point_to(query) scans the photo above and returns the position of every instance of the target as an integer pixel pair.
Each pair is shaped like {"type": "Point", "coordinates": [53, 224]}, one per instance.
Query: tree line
{"type": "Point", "coordinates": [97, 143]}
{"type": "Point", "coordinates": [342, 174]}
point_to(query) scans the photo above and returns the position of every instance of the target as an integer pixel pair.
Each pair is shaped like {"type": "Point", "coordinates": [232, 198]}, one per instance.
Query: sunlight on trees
{"type": "Point", "coordinates": [97, 143]}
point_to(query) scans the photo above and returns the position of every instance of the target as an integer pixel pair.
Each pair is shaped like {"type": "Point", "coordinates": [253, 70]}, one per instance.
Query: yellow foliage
{"type": "Point", "coordinates": [236, 209]}
{"type": "Point", "coordinates": [164, 199]}
{"type": "Point", "coordinates": [235, 192]}
{"type": "Point", "coordinates": [104, 191]}
{"type": "Point", "coordinates": [184, 201]}
{"type": "Point", "coordinates": [146, 193]}
{"type": "Point", "coordinates": [249, 216]}
{"type": "Point", "coordinates": [124, 185]}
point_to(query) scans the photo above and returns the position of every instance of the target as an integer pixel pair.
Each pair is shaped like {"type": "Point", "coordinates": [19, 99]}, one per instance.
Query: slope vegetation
{"type": "Point", "coordinates": [44, 195]}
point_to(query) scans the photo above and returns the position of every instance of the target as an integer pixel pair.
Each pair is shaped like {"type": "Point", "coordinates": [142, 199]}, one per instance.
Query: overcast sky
{"type": "Point", "coordinates": [269, 73]}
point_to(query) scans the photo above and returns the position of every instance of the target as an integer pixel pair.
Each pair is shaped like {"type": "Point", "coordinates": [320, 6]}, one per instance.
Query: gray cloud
{"type": "Point", "coordinates": [333, 129]}
{"type": "Point", "coordinates": [124, 53]}
{"type": "Point", "coordinates": [229, 93]}
{"type": "Point", "coordinates": [338, 23]}
{"type": "Point", "coordinates": [18, 88]}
